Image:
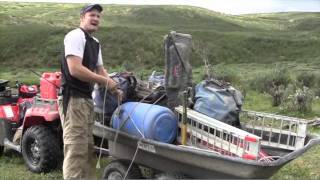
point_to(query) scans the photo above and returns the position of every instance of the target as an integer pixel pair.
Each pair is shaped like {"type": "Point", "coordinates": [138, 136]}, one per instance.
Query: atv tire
{"type": "Point", "coordinates": [117, 169]}
{"type": "Point", "coordinates": [1, 150]}
{"type": "Point", "coordinates": [40, 149]}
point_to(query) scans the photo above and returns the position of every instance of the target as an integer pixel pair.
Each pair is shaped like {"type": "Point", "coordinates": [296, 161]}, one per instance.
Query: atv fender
{"type": "Point", "coordinates": [39, 115]}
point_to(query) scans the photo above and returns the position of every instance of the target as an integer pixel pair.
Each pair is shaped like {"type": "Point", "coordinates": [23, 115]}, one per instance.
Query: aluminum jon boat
{"type": "Point", "coordinates": [198, 159]}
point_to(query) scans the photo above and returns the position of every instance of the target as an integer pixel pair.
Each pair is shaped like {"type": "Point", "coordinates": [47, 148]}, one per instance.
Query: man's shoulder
{"type": "Point", "coordinates": [78, 34]}
{"type": "Point", "coordinates": [75, 33]}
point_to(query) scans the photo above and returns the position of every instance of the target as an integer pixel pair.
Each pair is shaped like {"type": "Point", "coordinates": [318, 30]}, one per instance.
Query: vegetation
{"type": "Point", "coordinates": [254, 52]}
{"type": "Point", "coordinates": [135, 34]}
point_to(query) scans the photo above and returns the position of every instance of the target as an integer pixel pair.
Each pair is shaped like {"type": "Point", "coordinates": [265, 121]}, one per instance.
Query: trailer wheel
{"type": "Point", "coordinates": [117, 169]}
{"type": "Point", "coordinates": [40, 149]}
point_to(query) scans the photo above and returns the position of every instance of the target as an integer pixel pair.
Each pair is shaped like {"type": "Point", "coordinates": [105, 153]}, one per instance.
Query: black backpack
{"type": "Point", "coordinates": [127, 83]}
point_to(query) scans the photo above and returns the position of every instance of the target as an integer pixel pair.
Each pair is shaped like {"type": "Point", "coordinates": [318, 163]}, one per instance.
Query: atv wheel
{"type": "Point", "coordinates": [116, 170]}
{"type": "Point", "coordinates": [1, 150]}
{"type": "Point", "coordinates": [40, 149]}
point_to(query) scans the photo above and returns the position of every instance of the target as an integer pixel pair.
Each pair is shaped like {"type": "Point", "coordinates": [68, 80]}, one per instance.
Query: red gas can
{"type": "Point", "coordinates": [49, 85]}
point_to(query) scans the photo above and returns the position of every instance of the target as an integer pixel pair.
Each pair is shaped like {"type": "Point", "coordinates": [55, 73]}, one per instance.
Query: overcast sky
{"type": "Point", "coordinates": [225, 6]}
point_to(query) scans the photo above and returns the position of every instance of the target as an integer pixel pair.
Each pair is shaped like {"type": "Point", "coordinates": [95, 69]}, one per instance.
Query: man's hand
{"type": "Point", "coordinates": [118, 93]}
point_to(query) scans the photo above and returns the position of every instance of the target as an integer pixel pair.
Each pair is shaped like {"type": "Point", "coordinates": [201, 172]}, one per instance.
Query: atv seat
{"type": "Point", "coordinates": [8, 100]}
{"type": "Point", "coordinates": [3, 84]}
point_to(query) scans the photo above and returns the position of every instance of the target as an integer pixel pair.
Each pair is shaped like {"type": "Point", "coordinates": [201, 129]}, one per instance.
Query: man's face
{"type": "Point", "coordinates": [90, 20]}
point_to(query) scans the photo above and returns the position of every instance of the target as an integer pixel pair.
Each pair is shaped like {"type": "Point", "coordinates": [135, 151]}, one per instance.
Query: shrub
{"type": "Point", "coordinates": [280, 76]}
{"type": "Point", "coordinates": [298, 99]}
{"type": "Point", "coordinates": [225, 74]}
{"type": "Point", "coordinates": [316, 87]}
{"type": "Point", "coordinates": [306, 79]}
{"type": "Point", "coordinates": [126, 65]}
{"type": "Point", "coordinates": [277, 93]}
{"type": "Point", "coordinates": [243, 88]}
{"type": "Point", "coordinates": [270, 82]}
{"type": "Point", "coordinates": [261, 82]}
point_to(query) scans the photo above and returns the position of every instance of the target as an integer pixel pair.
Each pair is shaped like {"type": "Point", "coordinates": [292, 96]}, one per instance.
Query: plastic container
{"type": "Point", "coordinates": [49, 85]}
{"type": "Point", "coordinates": [146, 120]}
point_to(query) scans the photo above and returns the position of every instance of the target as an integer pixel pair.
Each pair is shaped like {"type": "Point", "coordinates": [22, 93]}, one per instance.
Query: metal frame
{"type": "Point", "coordinates": [208, 133]}
{"type": "Point", "coordinates": [276, 130]}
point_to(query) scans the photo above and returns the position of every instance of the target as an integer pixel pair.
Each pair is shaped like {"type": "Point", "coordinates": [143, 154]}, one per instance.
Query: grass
{"type": "Point", "coordinates": [240, 48]}
{"type": "Point", "coordinates": [12, 167]}
{"type": "Point", "coordinates": [305, 167]}
{"type": "Point", "coordinates": [135, 34]}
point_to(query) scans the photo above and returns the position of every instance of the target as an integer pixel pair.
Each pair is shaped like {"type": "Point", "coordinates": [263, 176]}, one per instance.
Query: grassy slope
{"type": "Point", "coordinates": [135, 33]}
{"type": "Point", "coordinates": [31, 35]}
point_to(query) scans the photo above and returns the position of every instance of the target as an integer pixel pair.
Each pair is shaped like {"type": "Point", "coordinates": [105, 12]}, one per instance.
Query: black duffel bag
{"type": "Point", "coordinates": [127, 83]}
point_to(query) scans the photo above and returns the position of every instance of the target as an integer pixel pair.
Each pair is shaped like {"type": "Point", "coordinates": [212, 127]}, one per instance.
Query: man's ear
{"type": "Point", "coordinates": [81, 16]}
{"type": "Point", "coordinates": [81, 19]}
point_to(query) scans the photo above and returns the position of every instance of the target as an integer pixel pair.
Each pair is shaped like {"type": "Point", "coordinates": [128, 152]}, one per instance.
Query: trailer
{"type": "Point", "coordinates": [213, 150]}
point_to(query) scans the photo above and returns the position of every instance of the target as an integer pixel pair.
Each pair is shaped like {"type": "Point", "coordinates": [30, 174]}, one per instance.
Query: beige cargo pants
{"type": "Point", "coordinates": [79, 159]}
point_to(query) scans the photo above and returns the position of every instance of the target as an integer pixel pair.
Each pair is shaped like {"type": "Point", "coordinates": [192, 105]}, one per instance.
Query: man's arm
{"type": "Point", "coordinates": [82, 73]}
{"type": "Point", "coordinates": [102, 71]}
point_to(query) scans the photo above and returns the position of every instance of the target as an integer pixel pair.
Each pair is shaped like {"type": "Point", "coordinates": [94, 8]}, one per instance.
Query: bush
{"type": "Point", "coordinates": [261, 83]}
{"type": "Point", "coordinates": [273, 83]}
{"type": "Point", "coordinates": [277, 93]}
{"type": "Point", "coordinates": [243, 88]}
{"type": "Point", "coordinates": [316, 87]}
{"type": "Point", "coordinates": [270, 82]}
{"type": "Point", "coordinates": [297, 99]}
{"type": "Point", "coordinates": [306, 79]}
{"type": "Point", "coordinates": [280, 76]}
{"type": "Point", "coordinates": [225, 74]}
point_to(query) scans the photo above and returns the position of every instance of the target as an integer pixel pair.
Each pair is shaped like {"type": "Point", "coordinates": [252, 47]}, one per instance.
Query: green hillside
{"type": "Point", "coordinates": [32, 34]}
{"type": "Point", "coordinates": [247, 50]}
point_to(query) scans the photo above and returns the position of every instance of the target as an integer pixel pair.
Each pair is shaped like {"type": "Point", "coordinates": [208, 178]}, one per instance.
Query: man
{"type": "Point", "coordinates": [81, 67]}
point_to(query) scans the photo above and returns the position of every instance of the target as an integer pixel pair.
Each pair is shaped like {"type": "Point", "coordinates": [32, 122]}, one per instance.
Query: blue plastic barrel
{"type": "Point", "coordinates": [151, 121]}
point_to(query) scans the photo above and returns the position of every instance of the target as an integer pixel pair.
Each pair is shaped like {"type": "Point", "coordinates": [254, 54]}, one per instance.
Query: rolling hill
{"type": "Point", "coordinates": [31, 35]}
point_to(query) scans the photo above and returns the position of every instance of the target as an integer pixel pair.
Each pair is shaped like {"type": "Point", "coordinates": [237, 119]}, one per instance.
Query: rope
{"type": "Point", "coordinates": [269, 158]}
{"type": "Point", "coordinates": [137, 149]}
{"type": "Point", "coordinates": [117, 113]}
{"type": "Point", "coordinates": [122, 124]}
{"type": "Point", "coordinates": [150, 108]}
{"type": "Point", "coordinates": [98, 166]}
{"type": "Point", "coordinates": [133, 158]}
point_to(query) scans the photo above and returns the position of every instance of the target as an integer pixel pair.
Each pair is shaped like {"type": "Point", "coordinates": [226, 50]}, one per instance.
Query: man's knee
{"type": "Point", "coordinates": [75, 161]}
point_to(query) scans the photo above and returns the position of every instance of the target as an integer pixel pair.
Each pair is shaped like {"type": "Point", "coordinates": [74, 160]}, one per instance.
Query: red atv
{"type": "Point", "coordinates": [30, 123]}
